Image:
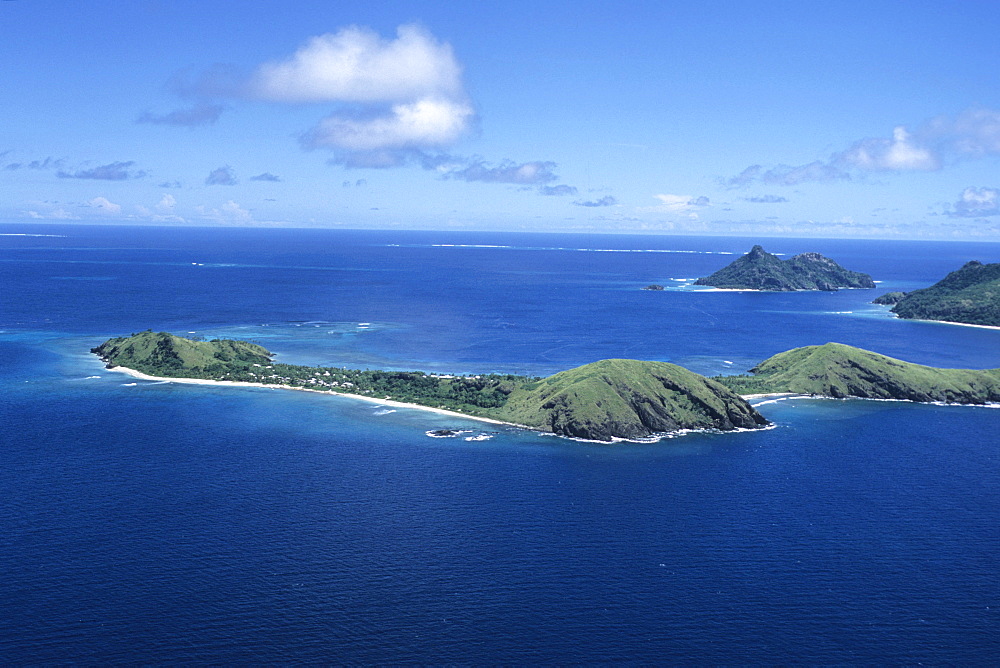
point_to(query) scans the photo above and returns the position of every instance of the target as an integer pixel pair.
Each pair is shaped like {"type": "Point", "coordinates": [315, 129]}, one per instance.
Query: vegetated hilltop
{"type": "Point", "coordinates": [630, 399]}
{"type": "Point", "coordinates": [600, 401]}
{"type": "Point", "coordinates": [163, 354]}
{"type": "Point", "coordinates": [970, 295]}
{"type": "Point", "coordinates": [838, 370]}
{"type": "Point", "coordinates": [889, 298]}
{"type": "Point", "coordinates": [760, 270]}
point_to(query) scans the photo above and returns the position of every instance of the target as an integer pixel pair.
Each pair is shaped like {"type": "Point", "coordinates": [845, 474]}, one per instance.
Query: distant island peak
{"type": "Point", "coordinates": [760, 270]}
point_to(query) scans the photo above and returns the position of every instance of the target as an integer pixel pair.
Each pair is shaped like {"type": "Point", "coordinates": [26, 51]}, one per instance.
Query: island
{"type": "Point", "coordinates": [603, 401]}
{"type": "Point", "coordinates": [653, 286]}
{"type": "Point", "coordinates": [609, 400]}
{"type": "Point", "coordinates": [970, 295]}
{"type": "Point", "coordinates": [840, 371]}
{"type": "Point", "coordinates": [760, 270]}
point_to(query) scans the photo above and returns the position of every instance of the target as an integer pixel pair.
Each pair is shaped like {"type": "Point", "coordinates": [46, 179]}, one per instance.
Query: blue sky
{"type": "Point", "coordinates": [860, 119]}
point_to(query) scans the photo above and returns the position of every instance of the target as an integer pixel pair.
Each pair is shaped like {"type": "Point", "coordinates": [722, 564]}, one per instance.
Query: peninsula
{"type": "Point", "coordinates": [970, 295]}
{"type": "Point", "coordinates": [603, 401]}
{"type": "Point", "coordinates": [840, 371]}
{"type": "Point", "coordinates": [760, 270]}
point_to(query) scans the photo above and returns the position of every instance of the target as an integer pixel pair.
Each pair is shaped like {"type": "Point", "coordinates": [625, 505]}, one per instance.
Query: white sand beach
{"type": "Point", "coordinates": [960, 324]}
{"type": "Point", "coordinates": [383, 402]}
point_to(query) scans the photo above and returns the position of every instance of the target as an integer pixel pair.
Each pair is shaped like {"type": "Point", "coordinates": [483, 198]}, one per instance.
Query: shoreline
{"type": "Point", "coordinates": [950, 322]}
{"type": "Point", "coordinates": [700, 288]}
{"type": "Point", "coordinates": [400, 404]}
{"type": "Point", "coordinates": [765, 395]}
{"type": "Point", "coordinates": [383, 402]}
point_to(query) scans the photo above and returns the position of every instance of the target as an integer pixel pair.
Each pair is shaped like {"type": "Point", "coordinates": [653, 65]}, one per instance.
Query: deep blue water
{"type": "Point", "coordinates": [160, 523]}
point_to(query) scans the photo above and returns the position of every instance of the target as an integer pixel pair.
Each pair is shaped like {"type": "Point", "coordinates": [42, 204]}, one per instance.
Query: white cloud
{"type": "Point", "coordinates": [357, 65]}
{"type": "Point", "coordinates": [900, 153]}
{"type": "Point", "coordinates": [975, 133]}
{"type": "Point", "coordinates": [421, 124]}
{"type": "Point", "coordinates": [977, 202]}
{"type": "Point", "coordinates": [55, 214]}
{"type": "Point", "coordinates": [167, 203]}
{"type": "Point", "coordinates": [685, 205]}
{"type": "Point", "coordinates": [229, 213]}
{"type": "Point", "coordinates": [403, 94]}
{"type": "Point", "coordinates": [105, 205]}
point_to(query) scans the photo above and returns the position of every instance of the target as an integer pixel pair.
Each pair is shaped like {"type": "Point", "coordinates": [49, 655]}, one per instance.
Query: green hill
{"type": "Point", "coordinates": [163, 354]}
{"type": "Point", "coordinates": [627, 399]}
{"type": "Point", "coordinates": [837, 370]}
{"type": "Point", "coordinates": [970, 295]}
{"type": "Point", "coordinates": [760, 270]}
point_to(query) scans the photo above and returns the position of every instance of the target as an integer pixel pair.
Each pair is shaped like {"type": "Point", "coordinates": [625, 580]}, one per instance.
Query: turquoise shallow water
{"type": "Point", "coordinates": [163, 523]}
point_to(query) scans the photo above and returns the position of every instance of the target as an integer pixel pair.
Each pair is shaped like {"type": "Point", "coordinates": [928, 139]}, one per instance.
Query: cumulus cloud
{"type": "Point", "coordinates": [115, 171]}
{"type": "Point", "coordinates": [526, 173]}
{"type": "Point", "coordinates": [221, 176]}
{"type": "Point", "coordinates": [229, 213]}
{"type": "Point", "coordinates": [901, 153]}
{"type": "Point", "coordinates": [355, 64]}
{"type": "Point", "coordinates": [410, 125]}
{"type": "Point", "coordinates": [56, 214]}
{"type": "Point", "coordinates": [607, 200]}
{"type": "Point", "coordinates": [680, 205]}
{"type": "Point", "coordinates": [103, 204]}
{"type": "Point", "coordinates": [266, 176]}
{"type": "Point", "coordinates": [200, 114]}
{"type": "Point", "coordinates": [938, 142]}
{"type": "Point", "coordinates": [166, 203]}
{"type": "Point", "coordinates": [766, 199]}
{"type": "Point", "coordinates": [977, 203]}
{"type": "Point", "coordinates": [394, 101]}
{"type": "Point", "coordinates": [393, 95]}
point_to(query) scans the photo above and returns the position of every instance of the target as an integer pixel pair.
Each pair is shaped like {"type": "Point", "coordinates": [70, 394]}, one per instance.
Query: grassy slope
{"type": "Point", "coordinates": [164, 354]}
{"type": "Point", "coordinates": [970, 294]}
{"type": "Point", "coordinates": [837, 370]}
{"type": "Point", "coordinates": [627, 399]}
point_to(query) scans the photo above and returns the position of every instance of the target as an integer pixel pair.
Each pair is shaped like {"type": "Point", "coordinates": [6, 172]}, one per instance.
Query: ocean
{"type": "Point", "coordinates": [149, 522]}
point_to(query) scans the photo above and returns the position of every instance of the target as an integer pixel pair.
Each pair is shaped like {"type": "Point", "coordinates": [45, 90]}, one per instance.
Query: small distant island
{"type": "Point", "coordinates": [970, 295]}
{"type": "Point", "coordinates": [760, 270]}
{"type": "Point", "coordinates": [653, 286]}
